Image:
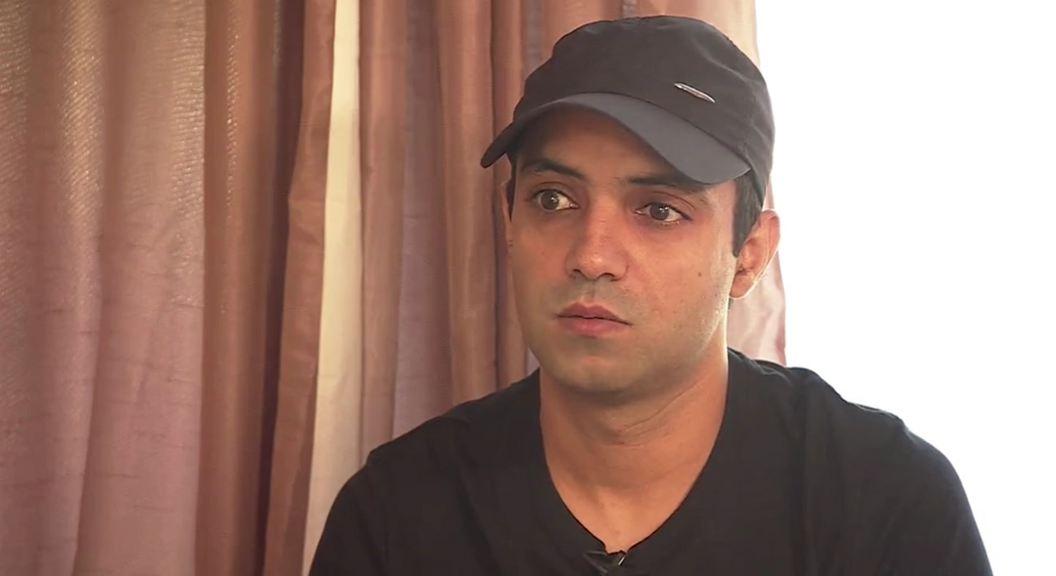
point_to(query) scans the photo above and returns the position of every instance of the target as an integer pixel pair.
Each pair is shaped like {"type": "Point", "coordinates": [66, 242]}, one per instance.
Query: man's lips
{"type": "Point", "coordinates": [591, 312]}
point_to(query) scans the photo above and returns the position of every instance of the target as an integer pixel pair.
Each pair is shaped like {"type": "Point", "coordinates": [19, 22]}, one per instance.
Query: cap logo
{"type": "Point", "coordinates": [694, 92]}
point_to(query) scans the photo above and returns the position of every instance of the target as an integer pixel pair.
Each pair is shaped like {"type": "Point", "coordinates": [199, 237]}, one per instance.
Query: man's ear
{"type": "Point", "coordinates": [756, 254]}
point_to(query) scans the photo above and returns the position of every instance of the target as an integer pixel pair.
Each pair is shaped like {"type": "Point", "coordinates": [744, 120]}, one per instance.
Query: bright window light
{"type": "Point", "coordinates": [914, 174]}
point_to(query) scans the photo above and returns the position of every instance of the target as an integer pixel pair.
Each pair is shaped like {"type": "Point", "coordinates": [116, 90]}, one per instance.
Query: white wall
{"type": "Point", "coordinates": [914, 174]}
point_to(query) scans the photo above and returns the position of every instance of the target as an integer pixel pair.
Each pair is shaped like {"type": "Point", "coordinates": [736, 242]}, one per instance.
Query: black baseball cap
{"type": "Point", "coordinates": [679, 84]}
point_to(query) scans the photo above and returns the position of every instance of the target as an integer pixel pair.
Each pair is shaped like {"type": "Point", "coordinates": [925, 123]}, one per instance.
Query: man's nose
{"type": "Point", "coordinates": [598, 247]}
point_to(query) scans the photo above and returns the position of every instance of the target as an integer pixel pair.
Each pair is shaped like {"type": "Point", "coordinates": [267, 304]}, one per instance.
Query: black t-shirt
{"type": "Point", "coordinates": [800, 482]}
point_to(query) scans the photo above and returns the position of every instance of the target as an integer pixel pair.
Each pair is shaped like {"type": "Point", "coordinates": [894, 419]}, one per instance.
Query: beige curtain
{"type": "Point", "coordinates": [438, 80]}
{"type": "Point", "coordinates": [162, 174]}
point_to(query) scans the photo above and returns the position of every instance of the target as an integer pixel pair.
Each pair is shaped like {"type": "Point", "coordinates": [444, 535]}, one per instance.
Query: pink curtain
{"type": "Point", "coordinates": [158, 282]}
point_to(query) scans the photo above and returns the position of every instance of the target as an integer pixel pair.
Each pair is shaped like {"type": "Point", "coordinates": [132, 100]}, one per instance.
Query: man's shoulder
{"type": "Point", "coordinates": [873, 488]}
{"type": "Point", "coordinates": [396, 508]}
{"type": "Point", "coordinates": [867, 454]}
{"type": "Point", "coordinates": [471, 430]}
{"type": "Point", "coordinates": [814, 409]}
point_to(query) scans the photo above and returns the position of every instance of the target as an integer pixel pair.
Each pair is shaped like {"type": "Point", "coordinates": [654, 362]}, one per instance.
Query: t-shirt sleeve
{"type": "Point", "coordinates": [353, 540]}
{"type": "Point", "coordinates": [917, 516]}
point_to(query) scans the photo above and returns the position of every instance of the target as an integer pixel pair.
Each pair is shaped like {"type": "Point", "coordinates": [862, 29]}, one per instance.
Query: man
{"type": "Point", "coordinates": [641, 153]}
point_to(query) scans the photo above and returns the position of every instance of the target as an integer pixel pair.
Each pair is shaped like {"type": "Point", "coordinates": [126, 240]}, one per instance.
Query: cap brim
{"type": "Point", "coordinates": [687, 148]}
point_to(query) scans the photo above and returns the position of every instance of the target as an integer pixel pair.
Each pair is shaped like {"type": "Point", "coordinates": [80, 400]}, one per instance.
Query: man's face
{"type": "Point", "coordinates": [602, 226]}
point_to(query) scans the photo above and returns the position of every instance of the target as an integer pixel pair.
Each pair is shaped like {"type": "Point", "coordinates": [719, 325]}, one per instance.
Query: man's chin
{"type": "Point", "coordinates": [592, 376]}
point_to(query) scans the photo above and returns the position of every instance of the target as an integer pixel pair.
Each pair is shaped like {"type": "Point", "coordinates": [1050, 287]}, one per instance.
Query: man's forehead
{"type": "Point", "coordinates": [629, 177]}
{"type": "Point", "coordinates": [558, 145]}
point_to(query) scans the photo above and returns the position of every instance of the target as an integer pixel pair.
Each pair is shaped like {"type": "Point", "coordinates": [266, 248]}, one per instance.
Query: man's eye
{"type": "Point", "coordinates": [552, 200]}
{"type": "Point", "coordinates": [662, 213]}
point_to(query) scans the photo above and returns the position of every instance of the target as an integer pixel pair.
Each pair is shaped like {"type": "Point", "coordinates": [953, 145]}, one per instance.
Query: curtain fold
{"type": "Point", "coordinates": [146, 157]}
{"type": "Point", "coordinates": [242, 208]}
{"type": "Point", "coordinates": [383, 137]}
{"type": "Point", "coordinates": [289, 506]}
{"type": "Point", "coordinates": [463, 53]}
{"type": "Point", "coordinates": [511, 47]}
{"type": "Point", "coordinates": [339, 389]}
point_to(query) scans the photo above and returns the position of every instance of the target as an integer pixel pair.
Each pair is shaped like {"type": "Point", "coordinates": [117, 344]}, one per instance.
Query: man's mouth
{"type": "Point", "coordinates": [591, 312]}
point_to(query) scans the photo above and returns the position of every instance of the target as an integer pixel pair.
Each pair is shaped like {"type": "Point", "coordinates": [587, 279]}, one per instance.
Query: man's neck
{"type": "Point", "coordinates": [623, 469]}
{"type": "Point", "coordinates": [613, 449]}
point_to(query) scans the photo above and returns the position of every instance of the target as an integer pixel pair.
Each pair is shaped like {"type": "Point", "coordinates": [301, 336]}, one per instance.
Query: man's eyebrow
{"type": "Point", "coordinates": [541, 165]}
{"type": "Point", "coordinates": [670, 180]}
